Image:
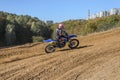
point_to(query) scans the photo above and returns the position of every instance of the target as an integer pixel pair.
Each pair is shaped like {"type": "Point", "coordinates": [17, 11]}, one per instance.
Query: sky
{"type": "Point", "coordinates": [57, 10]}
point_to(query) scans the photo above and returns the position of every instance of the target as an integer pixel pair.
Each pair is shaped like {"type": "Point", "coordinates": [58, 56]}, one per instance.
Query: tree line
{"type": "Point", "coordinates": [20, 29]}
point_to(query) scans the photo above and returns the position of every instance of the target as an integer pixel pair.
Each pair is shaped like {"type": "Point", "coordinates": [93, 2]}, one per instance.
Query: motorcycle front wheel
{"type": "Point", "coordinates": [73, 43]}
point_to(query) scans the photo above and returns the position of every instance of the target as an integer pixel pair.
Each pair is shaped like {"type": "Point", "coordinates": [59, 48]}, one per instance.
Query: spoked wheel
{"type": "Point", "coordinates": [73, 43]}
{"type": "Point", "coordinates": [49, 48]}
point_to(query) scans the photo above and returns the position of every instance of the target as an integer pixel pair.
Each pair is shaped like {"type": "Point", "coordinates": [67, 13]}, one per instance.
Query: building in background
{"type": "Point", "coordinates": [114, 11]}
{"type": "Point", "coordinates": [49, 22]}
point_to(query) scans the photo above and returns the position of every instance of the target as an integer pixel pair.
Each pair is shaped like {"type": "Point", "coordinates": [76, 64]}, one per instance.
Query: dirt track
{"type": "Point", "coordinates": [98, 58]}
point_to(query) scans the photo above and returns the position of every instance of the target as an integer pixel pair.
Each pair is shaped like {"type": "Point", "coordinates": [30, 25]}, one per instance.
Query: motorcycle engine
{"type": "Point", "coordinates": [62, 44]}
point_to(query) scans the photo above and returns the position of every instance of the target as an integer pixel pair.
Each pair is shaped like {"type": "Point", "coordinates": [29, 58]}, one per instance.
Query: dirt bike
{"type": "Point", "coordinates": [53, 44]}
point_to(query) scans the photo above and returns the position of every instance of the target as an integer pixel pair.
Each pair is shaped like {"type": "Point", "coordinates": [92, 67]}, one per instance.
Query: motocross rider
{"type": "Point", "coordinates": [60, 33]}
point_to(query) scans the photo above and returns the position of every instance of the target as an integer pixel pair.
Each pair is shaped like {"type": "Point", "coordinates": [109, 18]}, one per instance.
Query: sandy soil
{"type": "Point", "coordinates": [97, 58]}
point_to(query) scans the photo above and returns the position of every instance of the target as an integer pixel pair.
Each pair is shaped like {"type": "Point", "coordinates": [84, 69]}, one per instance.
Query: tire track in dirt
{"type": "Point", "coordinates": [39, 59]}
{"type": "Point", "coordinates": [63, 69]}
{"type": "Point", "coordinates": [88, 66]}
{"type": "Point", "coordinates": [56, 65]}
{"type": "Point", "coordinates": [19, 53]}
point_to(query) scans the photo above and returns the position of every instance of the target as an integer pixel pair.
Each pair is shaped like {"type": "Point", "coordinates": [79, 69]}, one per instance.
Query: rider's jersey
{"type": "Point", "coordinates": [61, 32]}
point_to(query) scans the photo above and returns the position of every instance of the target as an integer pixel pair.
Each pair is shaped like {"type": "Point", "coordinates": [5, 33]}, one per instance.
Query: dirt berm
{"type": "Point", "coordinates": [97, 58]}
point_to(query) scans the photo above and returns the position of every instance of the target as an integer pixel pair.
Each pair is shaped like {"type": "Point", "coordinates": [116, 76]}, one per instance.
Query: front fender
{"type": "Point", "coordinates": [72, 36]}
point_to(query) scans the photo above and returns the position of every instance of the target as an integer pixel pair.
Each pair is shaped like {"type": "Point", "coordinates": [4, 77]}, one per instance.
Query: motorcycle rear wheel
{"type": "Point", "coordinates": [49, 48]}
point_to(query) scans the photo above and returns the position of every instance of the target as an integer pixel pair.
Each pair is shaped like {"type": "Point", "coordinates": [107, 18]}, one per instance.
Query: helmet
{"type": "Point", "coordinates": [60, 26]}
